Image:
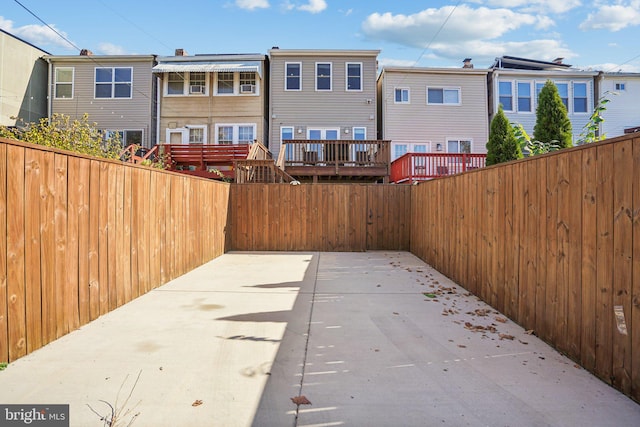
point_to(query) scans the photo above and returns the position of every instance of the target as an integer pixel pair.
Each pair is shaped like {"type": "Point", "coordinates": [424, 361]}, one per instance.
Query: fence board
{"type": "Point", "coordinates": [588, 262]}
{"type": "Point", "coordinates": [84, 180]}
{"type": "Point", "coordinates": [125, 255]}
{"type": "Point", "coordinates": [94, 240]}
{"type": "Point", "coordinates": [48, 247]}
{"type": "Point", "coordinates": [105, 218]}
{"type": "Point", "coordinates": [635, 294]}
{"type": "Point", "coordinates": [551, 225]}
{"type": "Point", "coordinates": [33, 286]}
{"type": "Point", "coordinates": [70, 287]}
{"type": "Point", "coordinates": [60, 215]}
{"type": "Point", "coordinates": [622, 264]}
{"type": "Point", "coordinates": [16, 253]}
{"type": "Point", "coordinates": [4, 328]}
{"type": "Point", "coordinates": [574, 284]}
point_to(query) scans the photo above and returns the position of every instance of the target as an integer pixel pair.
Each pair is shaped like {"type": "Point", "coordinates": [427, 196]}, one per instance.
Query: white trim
{"type": "Point", "coordinates": [181, 131]}
{"type": "Point", "coordinates": [408, 101]}
{"type": "Point", "coordinates": [204, 133]}
{"type": "Point", "coordinates": [458, 89]}
{"type": "Point", "coordinates": [235, 133]}
{"type": "Point", "coordinates": [55, 82]}
{"type": "Point", "coordinates": [498, 103]}
{"type": "Point", "coordinates": [113, 83]}
{"type": "Point", "coordinates": [346, 76]}
{"type": "Point", "coordinates": [532, 90]}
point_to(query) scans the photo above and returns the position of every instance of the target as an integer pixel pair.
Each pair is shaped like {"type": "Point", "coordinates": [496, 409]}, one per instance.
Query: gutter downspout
{"type": "Point", "coordinates": [49, 78]}
{"type": "Point", "coordinates": [158, 89]}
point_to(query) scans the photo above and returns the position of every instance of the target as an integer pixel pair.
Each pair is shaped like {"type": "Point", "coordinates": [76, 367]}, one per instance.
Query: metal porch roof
{"type": "Point", "coordinates": [208, 67]}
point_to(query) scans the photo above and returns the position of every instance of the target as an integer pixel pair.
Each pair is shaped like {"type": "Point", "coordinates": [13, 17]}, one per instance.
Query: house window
{"type": "Point", "coordinates": [354, 76]}
{"type": "Point", "coordinates": [445, 96]}
{"type": "Point", "coordinates": [399, 150]}
{"type": "Point", "coordinates": [197, 135]}
{"type": "Point", "coordinates": [524, 96]}
{"type": "Point", "coordinates": [127, 137]}
{"type": "Point", "coordinates": [323, 76]}
{"type": "Point", "coordinates": [459, 146]}
{"type": "Point", "coordinates": [359, 133]}
{"type": "Point", "coordinates": [64, 83]}
{"type": "Point", "coordinates": [580, 98]}
{"type": "Point", "coordinates": [293, 72]}
{"type": "Point", "coordinates": [235, 134]}
{"type": "Point", "coordinates": [113, 82]}
{"type": "Point", "coordinates": [401, 96]}
{"type": "Point", "coordinates": [225, 82]}
{"type": "Point", "coordinates": [197, 83]}
{"type": "Point", "coordinates": [620, 86]}
{"type": "Point", "coordinates": [175, 84]}
{"type": "Point", "coordinates": [286, 132]}
{"type": "Point", "coordinates": [563, 91]}
{"type": "Point", "coordinates": [505, 95]}
{"type": "Point", "coordinates": [247, 82]}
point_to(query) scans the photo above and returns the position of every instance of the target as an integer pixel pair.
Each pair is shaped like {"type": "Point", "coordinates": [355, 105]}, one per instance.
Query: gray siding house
{"type": "Point", "coordinates": [322, 95]}
{"type": "Point", "coordinates": [23, 81]}
{"type": "Point", "coordinates": [622, 114]}
{"type": "Point", "coordinates": [116, 91]}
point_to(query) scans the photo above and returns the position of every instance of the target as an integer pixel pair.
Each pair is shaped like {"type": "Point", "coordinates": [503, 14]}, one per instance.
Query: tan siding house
{"type": "Point", "coordinates": [322, 94]}
{"type": "Point", "coordinates": [116, 91]}
{"type": "Point", "coordinates": [23, 80]}
{"type": "Point", "coordinates": [431, 110]}
{"type": "Point", "coordinates": [212, 99]}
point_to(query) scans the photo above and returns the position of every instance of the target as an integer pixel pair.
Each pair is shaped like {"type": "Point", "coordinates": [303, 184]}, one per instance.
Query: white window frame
{"type": "Point", "coordinates": [569, 87]}
{"type": "Point", "coordinates": [235, 83]}
{"type": "Point", "coordinates": [204, 133]}
{"type": "Point", "coordinates": [586, 97]}
{"type": "Point", "coordinates": [458, 141]}
{"type": "Point", "coordinates": [184, 135]}
{"type": "Point", "coordinates": [517, 97]}
{"type": "Point", "coordinates": [205, 88]}
{"type": "Point", "coordinates": [330, 77]}
{"type": "Point", "coordinates": [113, 83]}
{"type": "Point", "coordinates": [56, 83]}
{"type": "Point", "coordinates": [346, 74]}
{"type": "Point", "coordinates": [235, 132]}
{"type": "Point", "coordinates": [286, 78]}
{"type": "Point", "coordinates": [289, 155]}
{"type": "Point", "coordinates": [498, 96]}
{"type": "Point", "coordinates": [123, 135]}
{"type": "Point", "coordinates": [620, 86]}
{"type": "Point", "coordinates": [186, 85]}
{"type": "Point", "coordinates": [402, 89]}
{"type": "Point", "coordinates": [445, 89]}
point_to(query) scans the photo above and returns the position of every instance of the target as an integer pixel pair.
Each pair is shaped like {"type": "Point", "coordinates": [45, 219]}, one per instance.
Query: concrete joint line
{"type": "Point", "coordinates": [306, 345]}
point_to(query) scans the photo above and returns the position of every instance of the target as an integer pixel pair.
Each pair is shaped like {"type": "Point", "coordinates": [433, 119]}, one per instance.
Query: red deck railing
{"type": "Point", "coordinates": [206, 160]}
{"type": "Point", "coordinates": [413, 167]}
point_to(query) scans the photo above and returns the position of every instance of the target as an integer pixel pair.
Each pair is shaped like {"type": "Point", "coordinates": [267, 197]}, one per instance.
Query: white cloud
{"type": "Point", "coordinates": [38, 35]}
{"type": "Point", "coordinates": [612, 17]}
{"type": "Point", "coordinates": [252, 4]}
{"type": "Point", "coordinates": [536, 6]}
{"type": "Point", "coordinates": [111, 49]}
{"type": "Point", "coordinates": [314, 6]}
{"type": "Point", "coordinates": [614, 68]}
{"type": "Point", "coordinates": [464, 24]}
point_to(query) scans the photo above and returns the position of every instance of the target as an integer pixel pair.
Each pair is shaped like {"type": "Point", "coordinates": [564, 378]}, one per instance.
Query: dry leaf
{"type": "Point", "coordinates": [529, 332]}
{"type": "Point", "coordinates": [197, 403]}
{"type": "Point", "coordinates": [506, 337]}
{"type": "Point", "coordinates": [501, 319]}
{"type": "Point", "coordinates": [300, 400]}
{"type": "Point", "coordinates": [462, 346]}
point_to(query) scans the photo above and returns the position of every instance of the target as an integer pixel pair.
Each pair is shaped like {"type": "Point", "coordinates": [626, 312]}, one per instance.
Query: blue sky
{"type": "Point", "coordinates": [601, 34]}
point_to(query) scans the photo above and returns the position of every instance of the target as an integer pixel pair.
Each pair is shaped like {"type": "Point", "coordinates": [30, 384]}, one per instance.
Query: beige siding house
{"type": "Point", "coordinates": [212, 99]}
{"type": "Point", "coordinates": [433, 110]}
{"type": "Point", "coordinates": [23, 81]}
{"type": "Point", "coordinates": [322, 95]}
{"type": "Point", "coordinates": [116, 91]}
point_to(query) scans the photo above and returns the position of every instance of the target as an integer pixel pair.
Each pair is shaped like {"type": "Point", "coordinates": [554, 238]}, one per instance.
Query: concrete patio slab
{"type": "Point", "coordinates": [230, 343]}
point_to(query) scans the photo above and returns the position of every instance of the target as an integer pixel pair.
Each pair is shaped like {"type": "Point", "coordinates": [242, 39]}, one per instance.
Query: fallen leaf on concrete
{"type": "Point", "coordinates": [529, 332]}
{"type": "Point", "coordinates": [429, 295]}
{"type": "Point", "coordinates": [506, 337]}
{"type": "Point", "coordinates": [523, 342]}
{"type": "Point", "coordinates": [197, 403]}
{"type": "Point", "coordinates": [482, 311]}
{"type": "Point", "coordinates": [300, 400]}
{"type": "Point", "coordinates": [462, 346]}
{"type": "Point", "coordinates": [395, 312]}
{"type": "Point", "coordinates": [501, 319]}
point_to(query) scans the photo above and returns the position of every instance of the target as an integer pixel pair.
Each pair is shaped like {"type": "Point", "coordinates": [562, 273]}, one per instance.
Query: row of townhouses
{"type": "Point", "coordinates": [290, 99]}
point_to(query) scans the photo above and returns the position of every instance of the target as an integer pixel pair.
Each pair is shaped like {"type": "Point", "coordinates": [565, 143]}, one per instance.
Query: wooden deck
{"type": "Point", "coordinates": [336, 160]}
{"type": "Point", "coordinates": [204, 160]}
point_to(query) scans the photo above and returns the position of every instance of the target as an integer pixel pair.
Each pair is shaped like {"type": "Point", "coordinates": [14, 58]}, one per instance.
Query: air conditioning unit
{"type": "Point", "coordinates": [247, 88]}
{"type": "Point", "coordinates": [196, 89]}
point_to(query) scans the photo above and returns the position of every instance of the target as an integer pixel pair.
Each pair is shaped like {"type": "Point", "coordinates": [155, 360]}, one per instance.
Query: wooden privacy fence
{"type": "Point", "coordinates": [320, 217]}
{"type": "Point", "coordinates": [80, 236]}
{"type": "Point", "coordinates": [554, 243]}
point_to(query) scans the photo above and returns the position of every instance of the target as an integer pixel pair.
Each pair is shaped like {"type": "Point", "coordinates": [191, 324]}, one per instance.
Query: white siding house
{"type": "Point", "coordinates": [433, 110]}
{"type": "Point", "coordinates": [622, 112]}
{"type": "Point", "coordinates": [515, 84]}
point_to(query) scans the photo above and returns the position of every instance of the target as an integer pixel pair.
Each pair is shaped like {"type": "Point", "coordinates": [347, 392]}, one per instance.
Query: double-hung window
{"type": "Point", "coordinates": [443, 96]}
{"type": "Point", "coordinates": [401, 96]}
{"type": "Point", "coordinates": [505, 95]}
{"type": "Point", "coordinates": [354, 76]}
{"type": "Point", "coordinates": [113, 82]}
{"type": "Point", "coordinates": [228, 134]}
{"type": "Point", "coordinates": [563, 91]}
{"type": "Point", "coordinates": [524, 97]}
{"type": "Point", "coordinates": [197, 134]}
{"type": "Point", "coordinates": [225, 83]}
{"type": "Point", "coordinates": [620, 86]}
{"type": "Point", "coordinates": [323, 76]}
{"type": "Point", "coordinates": [580, 98]}
{"type": "Point", "coordinates": [175, 83]}
{"type": "Point", "coordinates": [64, 83]}
{"type": "Point", "coordinates": [293, 76]}
{"type": "Point", "coordinates": [197, 83]}
{"type": "Point", "coordinates": [247, 82]}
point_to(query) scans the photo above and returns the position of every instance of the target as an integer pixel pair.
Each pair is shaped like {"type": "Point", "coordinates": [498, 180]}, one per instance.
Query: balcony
{"type": "Point", "coordinates": [330, 160]}
{"type": "Point", "coordinates": [204, 160]}
{"type": "Point", "coordinates": [412, 167]}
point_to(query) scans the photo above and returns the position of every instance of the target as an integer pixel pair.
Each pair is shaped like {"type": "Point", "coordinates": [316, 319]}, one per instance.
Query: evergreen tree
{"type": "Point", "coordinates": [552, 121]}
{"type": "Point", "coordinates": [502, 145]}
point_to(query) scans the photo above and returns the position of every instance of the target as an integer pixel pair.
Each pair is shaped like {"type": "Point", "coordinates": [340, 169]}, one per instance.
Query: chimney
{"type": "Point", "coordinates": [467, 63]}
{"type": "Point", "coordinates": [558, 61]}
{"type": "Point", "coordinates": [181, 52]}
{"type": "Point", "coordinates": [86, 52]}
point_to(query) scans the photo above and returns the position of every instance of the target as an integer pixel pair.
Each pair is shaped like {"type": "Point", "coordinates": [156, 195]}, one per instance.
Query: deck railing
{"type": "Point", "coordinates": [336, 153]}
{"type": "Point", "coordinates": [207, 160]}
{"type": "Point", "coordinates": [412, 167]}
